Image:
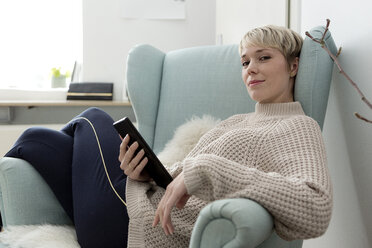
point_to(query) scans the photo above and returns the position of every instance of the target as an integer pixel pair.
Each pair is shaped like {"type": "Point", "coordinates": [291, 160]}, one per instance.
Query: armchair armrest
{"type": "Point", "coordinates": [232, 223]}
{"type": "Point", "coordinates": [237, 223]}
{"type": "Point", "coordinates": [25, 198]}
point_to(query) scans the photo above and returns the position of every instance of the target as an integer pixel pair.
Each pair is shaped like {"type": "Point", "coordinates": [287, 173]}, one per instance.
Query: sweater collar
{"type": "Point", "coordinates": [275, 109]}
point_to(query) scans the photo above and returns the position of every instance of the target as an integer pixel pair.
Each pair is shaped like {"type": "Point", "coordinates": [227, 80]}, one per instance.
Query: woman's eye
{"type": "Point", "coordinates": [263, 58]}
{"type": "Point", "coordinates": [245, 63]}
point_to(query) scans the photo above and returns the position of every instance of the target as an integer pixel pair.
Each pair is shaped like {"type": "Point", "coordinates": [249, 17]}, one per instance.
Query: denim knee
{"type": "Point", "coordinates": [30, 134]}
{"type": "Point", "coordinates": [95, 113]}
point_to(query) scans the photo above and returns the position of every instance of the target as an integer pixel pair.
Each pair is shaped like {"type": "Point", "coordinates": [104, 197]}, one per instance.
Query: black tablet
{"type": "Point", "coordinates": [154, 167]}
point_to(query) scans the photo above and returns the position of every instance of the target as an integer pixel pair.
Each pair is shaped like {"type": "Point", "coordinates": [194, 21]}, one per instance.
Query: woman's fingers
{"type": "Point", "coordinates": [123, 147]}
{"type": "Point", "coordinates": [128, 157]}
{"type": "Point", "coordinates": [167, 221]}
{"type": "Point", "coordinates": [166, 214]}
{"type": "Point", "coordinates": [170, 227]}
{"type": "Point", "coordinates": [164, 218]}
{"type": "Point", "coordinates": [132, 164]}
{"type": "Point", "coordinates": [156, 219]}
{"type": "Point", "coordinates": [175, 195]}
{"type": "Point", "coordinates": [131, 170]}
{"type": "Point", "coordinates": [136, 160]}
{"type": "Point", "coordinates": [137, 172]}
{"type": "Point", "coordinates": [161, 217]}
{"type": "Point", "coordinates": [159, 211]}
{"type": "Point", "coordinates": [130, 152]}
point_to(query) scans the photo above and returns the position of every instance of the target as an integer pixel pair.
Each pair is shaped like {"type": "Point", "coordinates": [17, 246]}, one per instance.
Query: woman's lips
{"type": "Point", "coordinates": [255, 82]}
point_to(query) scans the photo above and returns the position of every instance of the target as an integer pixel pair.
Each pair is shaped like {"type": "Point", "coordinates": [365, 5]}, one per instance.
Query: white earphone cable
{"type": "Point", "coordinates": [103, 160]}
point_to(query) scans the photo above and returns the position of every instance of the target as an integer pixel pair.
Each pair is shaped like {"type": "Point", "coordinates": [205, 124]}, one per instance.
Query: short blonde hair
{"type": "Point", "coordinates": [287, 41]}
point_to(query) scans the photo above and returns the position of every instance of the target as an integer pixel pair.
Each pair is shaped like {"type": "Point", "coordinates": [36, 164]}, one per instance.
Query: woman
{"type": "Point", "coordinates": [274, 156]}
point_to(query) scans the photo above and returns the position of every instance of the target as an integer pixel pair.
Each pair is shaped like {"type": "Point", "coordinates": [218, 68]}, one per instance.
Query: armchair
{"type": "Point", "coordinates": [165, 91]}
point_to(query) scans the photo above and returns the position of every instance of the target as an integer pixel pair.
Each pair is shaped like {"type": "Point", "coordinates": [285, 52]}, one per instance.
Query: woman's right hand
{"type": "Point", "coordinates": [130, 164]}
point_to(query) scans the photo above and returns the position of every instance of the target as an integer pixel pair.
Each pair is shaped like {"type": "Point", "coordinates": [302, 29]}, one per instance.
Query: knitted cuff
{"type": "Point", "coordinates": [192, 175]}
{"type": "Point", "coordinates": [175, 169]}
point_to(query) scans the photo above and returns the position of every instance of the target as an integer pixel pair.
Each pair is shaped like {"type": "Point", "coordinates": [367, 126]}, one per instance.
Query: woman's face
{"type": "Point", "coordinates": [267, 76]}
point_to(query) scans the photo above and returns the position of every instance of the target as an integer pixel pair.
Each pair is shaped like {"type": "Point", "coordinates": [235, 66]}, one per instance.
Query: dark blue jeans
{"type": "Point", "coordinates": [70, 162]}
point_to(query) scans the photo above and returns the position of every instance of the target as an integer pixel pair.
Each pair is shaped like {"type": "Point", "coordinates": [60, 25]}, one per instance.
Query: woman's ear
{"type": "Point", "coordinates": [294, 67]}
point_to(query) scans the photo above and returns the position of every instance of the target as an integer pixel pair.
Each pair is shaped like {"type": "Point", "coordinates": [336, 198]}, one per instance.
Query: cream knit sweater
{"type": "Point", "coordinates": [274, 156]}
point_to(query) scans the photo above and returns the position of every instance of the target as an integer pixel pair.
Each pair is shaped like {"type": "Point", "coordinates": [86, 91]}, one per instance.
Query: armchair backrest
{"type": "Point", "coordinates": [168, 89]}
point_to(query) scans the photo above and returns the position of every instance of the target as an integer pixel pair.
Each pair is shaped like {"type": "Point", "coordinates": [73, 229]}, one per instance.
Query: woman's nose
{"type": "Point", "coordinates": [252, 68]}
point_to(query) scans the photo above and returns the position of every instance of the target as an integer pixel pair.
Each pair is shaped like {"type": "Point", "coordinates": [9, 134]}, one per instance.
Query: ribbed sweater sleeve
{"type": "Point", "coordinates": [175, 169]}
{"type": "Point", "coordinates": [288, 176]}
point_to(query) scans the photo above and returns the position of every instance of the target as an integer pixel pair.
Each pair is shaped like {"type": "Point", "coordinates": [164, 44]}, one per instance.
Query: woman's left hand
{"type": "Point", "coordinates": [175, 195]}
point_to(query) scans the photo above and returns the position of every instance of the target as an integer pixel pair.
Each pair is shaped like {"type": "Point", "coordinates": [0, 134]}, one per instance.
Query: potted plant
{"type": "Point", "coordinates": [59, 78]}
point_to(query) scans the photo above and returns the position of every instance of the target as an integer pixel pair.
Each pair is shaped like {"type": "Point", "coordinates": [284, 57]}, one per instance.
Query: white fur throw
{"type": "Point", "coordinates": [185, 138]}
{"type": "Point", "coordinates": [39, 236]}
{"type": "Point", "coordinates": [51, 236]}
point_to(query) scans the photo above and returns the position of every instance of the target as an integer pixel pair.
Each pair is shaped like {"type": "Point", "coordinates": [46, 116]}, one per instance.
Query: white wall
{"type": "Point", "coordinates": [348, 140]}
{"type": "Point", "coordinates": [108, 37]}
{"type": "Point", "coordinates": [235, 18]}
